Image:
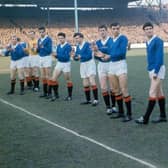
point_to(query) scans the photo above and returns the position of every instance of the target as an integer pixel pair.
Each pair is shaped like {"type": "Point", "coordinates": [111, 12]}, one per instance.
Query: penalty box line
{"type": "Point", "coordinates": [79, 135]}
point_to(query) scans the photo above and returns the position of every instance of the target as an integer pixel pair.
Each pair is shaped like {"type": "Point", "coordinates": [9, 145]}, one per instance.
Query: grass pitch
{"type": "Point", "coordinates": [26, 142]}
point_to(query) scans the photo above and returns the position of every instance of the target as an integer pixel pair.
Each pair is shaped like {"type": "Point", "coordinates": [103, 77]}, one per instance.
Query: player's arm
{"type": "Point", "coordinates": [101, 56]}
{"type": "Point", "coordinates": [122, 47]}
{"type": "Point", "coordinates": [38, 47]}
{"type": "Point", "coordinates": [54, 55]}
{"type": "Point", "coordinates": [48, 47]}
{"type": "Point", "coordinates": [159, 57]}
{"type": "Point", "coordinates": [26, 50]}
{"type": "Point", "coordinates": [68, 52]}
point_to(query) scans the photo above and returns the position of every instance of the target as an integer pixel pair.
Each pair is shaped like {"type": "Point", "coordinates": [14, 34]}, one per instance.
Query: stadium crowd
{"type": "Point", "coordinates": [133, 32]}
{"type": "Point", "coordinates": [88, 21]}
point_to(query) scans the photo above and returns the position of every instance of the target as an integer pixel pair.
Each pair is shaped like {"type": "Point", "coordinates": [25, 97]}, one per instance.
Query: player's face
{"type": "Point", "coordinates": [115, 30]}
{"type": "Point", "coordinates": [148, 31]}
{"type": "Point", "coordinates": [32, 35]}
{"type": "Point", "coordinates": [103, 32]}
{"type": "Point", "coordinates": [78, 40]}
{"type": "Point", "coordinates": [61, 39]}
{"type": "Point", "coordinates": [42, 33]}
{"type": "Point", "coordinates": [14, 40]}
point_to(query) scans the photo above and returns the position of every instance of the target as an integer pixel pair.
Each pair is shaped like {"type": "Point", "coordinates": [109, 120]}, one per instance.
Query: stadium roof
{"type": "Point", "coordinates": [70, 3]}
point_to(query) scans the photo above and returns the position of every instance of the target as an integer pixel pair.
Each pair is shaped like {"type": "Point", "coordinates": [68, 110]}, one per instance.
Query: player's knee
{"type": "Point", "coordinates": [20, 76]}
{"type": "Point", "coordinates": [125, 92]}
{"type": "Point", "coordinates": [103, 90]}
{"type": "Point", "coordinates": [152, 93]}
{"type": "Point", "coordinates": [92, 81]}
{"type": "Point", "coordinates": [116, 90]}
{"type": "Point", "coordinates": [67, 77]}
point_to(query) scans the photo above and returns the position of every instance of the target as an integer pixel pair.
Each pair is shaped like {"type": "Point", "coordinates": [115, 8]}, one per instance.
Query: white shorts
{"type": "Point", "coordinates": [103, 69]}
{"type": "Point", "coordinates": [118, 68]}
{"type": "Point", "coordinates": [45, 61]}
{"type": "Point", "coordinates": [26, 62]}
{"type": "Point", "coordinates": [161, 73]}
{"type": "Point", "coordinates": [87, 69]}
{"type": "Point", "coordinates": [34, 61]}
{"type": "Point", "coordinates": [63, 66]}
{"type": "Point", "coordinates": [17, 64]}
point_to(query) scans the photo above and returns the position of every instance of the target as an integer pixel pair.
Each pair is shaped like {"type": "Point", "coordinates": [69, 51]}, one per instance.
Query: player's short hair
{"type": "Point", "coordinates": [42, 28]}
{"type": "Point", "coordinates": [61, 34]}
{"type": "Point", "coordinates": [147, 24]}
{"type": "Point", "coordinates": [102, 27]}
{"type": "Point", "coordinates": [78, 34]}
{"type": "Point", "coordinates": [114, 24]}
{"type": "Point", "coordinates": [18, 39]}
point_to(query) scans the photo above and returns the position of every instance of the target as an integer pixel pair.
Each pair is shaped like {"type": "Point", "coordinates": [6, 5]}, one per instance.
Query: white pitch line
{"type": "Point", "coordinates": [81, 136]}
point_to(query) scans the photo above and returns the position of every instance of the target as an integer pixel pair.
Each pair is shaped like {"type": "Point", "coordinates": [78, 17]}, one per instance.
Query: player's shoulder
{"type": "Point", "coordinates": [122, 36]}
{"type": "Point", "coordinates": [48, 38]}
{"type": "Point", "coordinates": [87, 43]}
{"type": "Point", "coordinates": [68, 44]}
{"type": "Point", "coordinates": [110, 40]}
{"type": "Point", "coordinates": [158, 39]}
{"type": "Point", "coordinates": [98, 41]}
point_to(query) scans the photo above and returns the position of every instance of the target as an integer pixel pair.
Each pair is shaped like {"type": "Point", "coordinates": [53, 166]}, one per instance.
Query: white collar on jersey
{"type": "Point", "coordinates": [14, 46]}
{"type": "Point", "coordinates": [116, 38]}
{"type": "Point", "coordinates": [105, 41]}
{"type": "Point", "coordinates": [42, 39]}
{"type": "Point", "coordinates": [81, 46]}
{"type": "Point", "coordinates": [62, 45]}
{"type": "Point", "coordinates": [149, 41]}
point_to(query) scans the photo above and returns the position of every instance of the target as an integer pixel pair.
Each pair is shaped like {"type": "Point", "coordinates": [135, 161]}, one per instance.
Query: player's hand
{"type": "Point", "coordinates": [79, 57]}
{"type": "Point", "coordinates": [155, 76]}
{"type": "Point", "coordinates": [72, 53]}
{"type": "Point", "coordinates": [106, 58]}
{"type": "Point", "coordinates": [54, 55]}
{"type": "Point", "coordinates": [99, 54]}
{"type": "Point", "coordinates": [94, 47]}
{"type": "Point", "coordinates": [9, 48]}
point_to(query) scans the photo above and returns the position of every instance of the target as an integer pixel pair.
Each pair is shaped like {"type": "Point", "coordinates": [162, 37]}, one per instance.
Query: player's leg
{"type": "Point", "coordinates": [55, 84]}
{"type": "Point", "coordinates": [103, 69]}
{"type": "Point", "coordinates": [161, 102]}
{"type": "Point", "coordinates": [85, 81]}
{"type": "Point", "coordinates": [35, 64]}
{"type": "Point", "coordinates": [114, 67]}
{"type": "Point", "coordinates": [44, 82]}
{"type": "Point", "coordinates": [153, 92]}
{"type": "Point", "coordinates": [67, 76]}
{"type": "Point", "coordinates": [49, 83]}
{"type": "Point", "coordinates": [127, 98]}
{"type": "Point", "coordinates": [45, 64]}
{"type": "Point", "coordinates": [21, 73]}
{"type": "Point", "coordinates": [105, 92]}
{"type": "Point", "coordinates": [35, 74]}
{"type": "Point", "coordinates": [91, 74]}
{"type": "Point", "coordinates": [112, 96]}
{"type": "Point", "coordinates": [13, 80]}
{"type": "Point", "coordinates": [47, 67]}
{"type": "Point", "coordinates": [114, 80]}
{"type": "Point", "coordinates": [86, 85]}
{"type": "Point", "coordinates": [161, 97]}
{"type": "Point", "coordinates": [27, 72]}
{"type": "Point", "coordinates": [92, 81]}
